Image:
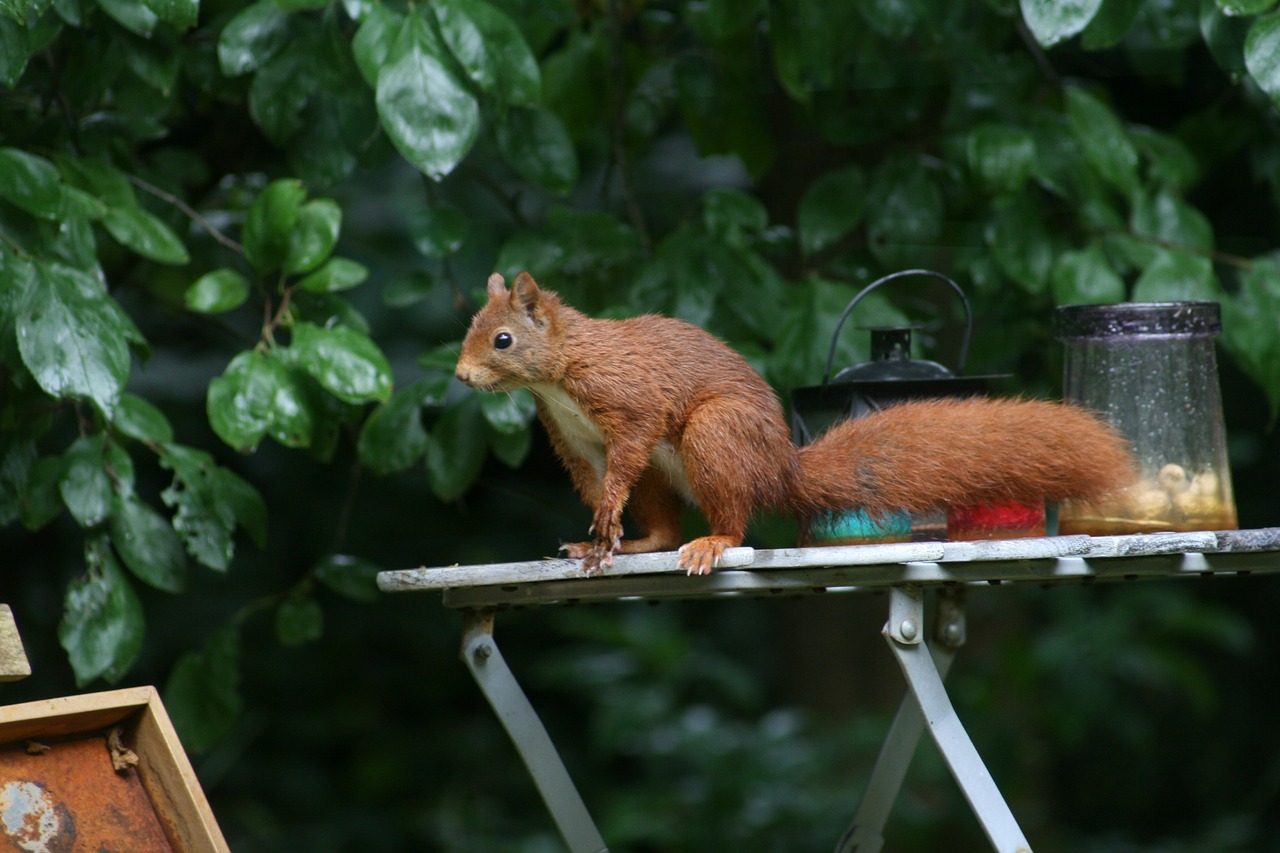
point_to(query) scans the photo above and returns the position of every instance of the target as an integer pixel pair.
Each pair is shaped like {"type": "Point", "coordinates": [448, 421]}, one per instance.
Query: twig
{"type": "Point", "coordinates": [1224, 258]}
{"type": "Point", "coordinates": [189, 211]}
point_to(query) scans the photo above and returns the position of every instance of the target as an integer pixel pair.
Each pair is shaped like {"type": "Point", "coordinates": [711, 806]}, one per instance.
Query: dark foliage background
{"type": "Point", "coordinates": [240, 241]}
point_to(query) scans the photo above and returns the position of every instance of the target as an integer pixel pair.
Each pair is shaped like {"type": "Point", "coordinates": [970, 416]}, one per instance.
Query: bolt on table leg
{"type": "Point", "coordinates": [925, 685]}
{"type": "Point", "coordinates": [495, 679]}
{"type": "Point", "coordinates": [866, 833]}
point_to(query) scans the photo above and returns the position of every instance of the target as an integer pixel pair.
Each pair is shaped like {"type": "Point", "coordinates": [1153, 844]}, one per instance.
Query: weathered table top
{"type": "Point", "coordinates": [748, 571]}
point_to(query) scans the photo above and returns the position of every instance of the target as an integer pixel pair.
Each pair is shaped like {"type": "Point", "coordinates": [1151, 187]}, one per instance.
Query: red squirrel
{"type": "Point", "coordinates": [649, 411]}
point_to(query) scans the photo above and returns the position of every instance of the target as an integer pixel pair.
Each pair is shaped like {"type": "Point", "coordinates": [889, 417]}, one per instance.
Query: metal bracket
{"type": "Point", "coordinates": [927, 705]}
{"type": "Point", "coordinates": [495, 679]}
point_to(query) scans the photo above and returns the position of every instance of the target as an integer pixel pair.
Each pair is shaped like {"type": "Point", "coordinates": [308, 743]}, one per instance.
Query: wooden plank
{"type": "Point", "coordinates": [13, 658]}
{"type": "Point", "coordinates": [796, 569]}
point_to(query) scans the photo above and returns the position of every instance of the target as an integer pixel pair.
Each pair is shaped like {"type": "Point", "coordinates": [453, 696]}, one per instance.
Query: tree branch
{"type": "Point", "coordinates": [189, 211]}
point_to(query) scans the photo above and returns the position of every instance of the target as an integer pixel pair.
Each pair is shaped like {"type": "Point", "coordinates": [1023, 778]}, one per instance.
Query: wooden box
{"type": "Point", "coordinates": [102, 771]}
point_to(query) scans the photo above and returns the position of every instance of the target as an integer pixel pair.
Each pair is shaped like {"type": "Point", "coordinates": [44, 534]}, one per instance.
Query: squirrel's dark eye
{"type": "Point", "coordinates": [502, 340]}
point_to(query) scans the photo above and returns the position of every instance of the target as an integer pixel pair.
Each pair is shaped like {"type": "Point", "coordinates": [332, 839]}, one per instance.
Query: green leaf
{"type": "Point", "coordinates": [134, 16]}
{"type": "Point", "coordinates": [535, 143]}
{"type": "Point", "coordinates": [1110, 24]}
{"type": "Point", "coordinates": [314, 235]}
{"type": "Point", "coordinates": [1022, 245]}
{"type": "Point", "coordinates": [438, 231]}
{"type": "Point", "coordinates": [491, 48]}
{"type": "Point", "coordinates": [1225, 37]}
{"type": "Point", "coordinates": [183, 14]}
{"type": "Point", "coordinates": [374, 41]}
{"type": "Point", "coordinates": [269, 225]}
{"type": "Point", "coordinates": [336, 274]}
{"type": "Point", "coordinates": [1251, 328]}
{"type": "Point", "coordinates": [393, 437]}
{"type": "Point", "coordinates": [730, 213]}
{"type": "Point", "coordinates": [1085, 277]}
{"type": "Point", "coordinates": [1052, 21]}
{"type": "Point", "coordinates": [1244, 7]}
{"type": "Point", "coordinates": [1262, 54]}
{"type": "Point", "coordinates": [30, 182]}
{"type": "Point", "coordinates": [904, 215]}
{"type": "Point", "coordinates": [349, 576]}
{"type": "Point", "coordinates": [73, 337]}
{"type": "Point", "coordinates": [252, 37]}
{"type": "Point", "coordinates": [217, 291]}
{"type": "Point", "coordinates": [430, 117]}
{"type": "Point", "coordinates": [138, 418]}
{"type": "Point", "coordinates": [1177, 276]}
{"type": "Point", "coordinates": [457, 449]}
{"type": "Point", "coordinates": [1165, 218]}
{"type": "Point", "coordinates": [148, 545]}
{"type": "Point", "coordinates": [247, 506]}
{"type": "Point", "coordinates": [202, 694]}
{"type": "Point", "coordinates": [1106, 145]}
{"type": "Point", "coordinates": [15, 50]}
{"type": "Point", "coordinates": [299, 621]}
{"type": "Point", "coordinates": [1001, 157]}
{"type": "Point", "coordinates": [831, 207]}
{"type": "Point", "coordinates": [258, 395]}
{"type": "Point", "coordinates": [102, 622]}
{"type": "Point", "coordinates": [85, 485]}
{"type": "Point", "coordinates": [41, 501]}
{"type": "Point", "coordinates": [509, 412]}
{"type": "Point", "coordinates": [204, 517]}
{"type": "Point", "coordinates": [146, 234]}
{"type": "Point", "coordinates": [345, 362]}
{"type": "Point", "coordinates": [511, 448]}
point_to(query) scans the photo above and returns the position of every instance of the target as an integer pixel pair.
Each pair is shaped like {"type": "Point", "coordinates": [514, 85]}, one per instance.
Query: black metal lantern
{"type": "Point", "coordinates": [893, 376]}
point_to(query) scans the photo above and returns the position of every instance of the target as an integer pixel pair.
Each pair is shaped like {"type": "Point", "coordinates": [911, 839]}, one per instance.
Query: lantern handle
{"type": "Point", "coordinates": [964, 300]}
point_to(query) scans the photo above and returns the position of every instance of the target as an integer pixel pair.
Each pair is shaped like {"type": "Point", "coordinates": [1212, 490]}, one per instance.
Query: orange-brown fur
{"type": "Point", "coordinates": [645, 411]}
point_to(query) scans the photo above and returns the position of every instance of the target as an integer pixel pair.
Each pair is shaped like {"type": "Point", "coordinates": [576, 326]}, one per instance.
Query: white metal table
{"type": "Point", "coordinates": [907, 570]}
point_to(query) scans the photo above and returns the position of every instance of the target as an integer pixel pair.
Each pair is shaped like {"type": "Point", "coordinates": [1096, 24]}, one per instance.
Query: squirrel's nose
{"type": "Point", "coordinates": [463, 374]}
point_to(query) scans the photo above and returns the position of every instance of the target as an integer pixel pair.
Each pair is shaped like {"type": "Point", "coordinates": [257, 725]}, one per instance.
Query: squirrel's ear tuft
{"type": "Point", "coordinates": [497, 285]}
{"type": "Point", "coordinates": [525, 295]}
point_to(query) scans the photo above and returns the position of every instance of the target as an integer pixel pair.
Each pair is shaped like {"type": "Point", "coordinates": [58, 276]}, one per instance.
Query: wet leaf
{"type": "Point", "coordinates": [831, 207]}
{"type": "Point", "coordinates": [258, 395]}
{"type": "Point", "coordinates": [1176, 276]}
{"type": "Point", "coordinates": [313, 236]}
{"type": "Point", "coordinates": [430, 117]}
{"type": "Point", "coordinates": [217, 291]}
{"type": "Point", "coordinates": [1052, 21]}
{"type": "Point", "coordinates": [146, 234]}
{"type": "Point", "coordinates": [268, 228]}
{"type": "Point", "coordinates": [1085, 276]}
{"type": "Point", "coordinates": [30, 182]}
{"type": "Point", "coordinates": [456, 452]}
{"type": "Point", "coordinates": [203, 517]}
{"type": "Point", "coordinates": [534, 141]}
{"type": "Point", "coordinates": [102, 623]}
{"type": "Point", "coordinates": [73, 337]}
{"type": "Point", "coordinates": [148, 545]}
{"type": "Point", "coordinates": [1102, 137]}
{"type": "Point", "coordinates": [393, 438]}
{"type": "Point", "coordinates": [252, 37]}
{"type": "Point", "coordinates": [85, 486]}
{"type": "Point", "coordinates": [138, 418]}
{"type": "Point", "coordinates": [491, 48]}
{"type": "Point", "coordinates": [438, 231]}
{"type": "Point", "coordinates": [336, 274]}
{"type": "Point", "coordinates": [345, 362]}
{"type": "Point", "coordinates": [1262, 54]}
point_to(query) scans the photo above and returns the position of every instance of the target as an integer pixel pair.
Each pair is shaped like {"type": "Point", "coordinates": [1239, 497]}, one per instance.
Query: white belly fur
{"type": "Point", "coordinates": [584, 437]}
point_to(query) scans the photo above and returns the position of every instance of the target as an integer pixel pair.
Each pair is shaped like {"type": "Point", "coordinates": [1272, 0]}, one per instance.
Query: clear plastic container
{"type": "Point", "coordinates": [1150, 370]}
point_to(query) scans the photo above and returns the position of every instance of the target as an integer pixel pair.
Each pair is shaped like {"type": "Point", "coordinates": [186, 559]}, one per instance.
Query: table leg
{"type": "Point", "coordinates": [866, 833]}
{"type": "Point", "coordinates": [495, 679]}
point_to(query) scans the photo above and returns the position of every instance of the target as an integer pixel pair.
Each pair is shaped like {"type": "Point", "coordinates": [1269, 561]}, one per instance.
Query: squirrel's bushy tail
{"type": "Point", "coordinates": [928, 454]}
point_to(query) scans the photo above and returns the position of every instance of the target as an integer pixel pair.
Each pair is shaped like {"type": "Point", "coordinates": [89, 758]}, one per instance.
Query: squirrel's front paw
{"type": "Point", "coordinates": [596, 556]}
